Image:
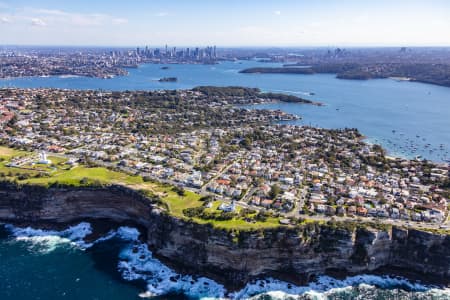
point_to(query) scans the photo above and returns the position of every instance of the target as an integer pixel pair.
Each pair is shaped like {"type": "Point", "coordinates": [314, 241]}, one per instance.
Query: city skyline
{"type": "Point", "coordinates": [226, 23]}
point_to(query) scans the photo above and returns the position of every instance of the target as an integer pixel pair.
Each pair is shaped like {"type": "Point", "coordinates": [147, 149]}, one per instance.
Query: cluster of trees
{"type": "Point", "coordinates": [228, 91]}
{"type": "Point", "coordinates": [179, 190]}
{"type": "Point", "coordinates": [22, 175]}
{"type": "Point", "coordinates": [200, 212]}
{"type": "Point", "coordinates": [282, 70]}
{"type": "Point", "coordinates": [247, 214]}
{"type": "Point", "coordinates": [236, 91]}
{"type": "Point", "coordinates": [135, 111]}
{"type": "Point", "coordinates": [284, 98]}
{"type": "Point", "coordinates": [275, 190]}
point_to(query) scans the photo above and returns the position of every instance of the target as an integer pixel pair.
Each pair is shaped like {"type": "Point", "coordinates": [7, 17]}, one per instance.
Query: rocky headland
{"type": "Point", "coordinates": [296, 254]}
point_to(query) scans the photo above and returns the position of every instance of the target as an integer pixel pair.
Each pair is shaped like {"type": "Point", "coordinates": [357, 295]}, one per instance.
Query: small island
{"type": "Point", "coordinates": [168, 79]}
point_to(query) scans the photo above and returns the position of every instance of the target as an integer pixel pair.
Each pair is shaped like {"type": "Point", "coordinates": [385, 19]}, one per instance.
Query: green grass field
{"type": "Point", "coordinates": [8, 153]}
{"type": "Point", "coordinates": [76, 175]}
{"type": "Point", "coordinates": [177, 203]}
{"type": "Point", "coordinates": [60, 172]}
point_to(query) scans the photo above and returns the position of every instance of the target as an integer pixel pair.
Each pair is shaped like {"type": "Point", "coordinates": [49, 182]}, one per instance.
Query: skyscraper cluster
{"type": "Point", "coordinates": [207, 53]}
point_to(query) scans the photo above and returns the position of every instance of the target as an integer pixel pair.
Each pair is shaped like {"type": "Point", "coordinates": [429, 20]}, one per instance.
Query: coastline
{"type": "Point", "coordinates": [358, 75]}
{"type": "Point", "coordinates": [401, 78]}
{"type": "Point", "coordinates": [103, 228]}
{"type": "Point", "coordinates": [190, 247]}
{"type": "Point", "coordinates": [66, 76]}
{"type": "Point", "coordinates": [148, 276]}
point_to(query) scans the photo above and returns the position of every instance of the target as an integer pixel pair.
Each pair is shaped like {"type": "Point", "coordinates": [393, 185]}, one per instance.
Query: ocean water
{"type": "Point", "coordinates": [38, 264]}
{"type": "Point", "coordinates": [407, 118]}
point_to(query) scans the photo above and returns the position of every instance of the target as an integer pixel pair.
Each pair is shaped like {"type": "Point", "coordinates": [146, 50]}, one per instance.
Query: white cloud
{"type": "Point", "coordinates": [5, 20]}
{"type": "Point", "coordinates": [54, 12]}
{"type": "Point", "coordinates": [85, 20]}
{"type": "Point", "coordinates": [277, 12]}
{"type": "Point", "coordinates": [38, 22]}
{"type": "Point", "coordinates": [162, 14]}
{"type": "Point", "coordinates": [362, 18]}
{"type": "Point", "coordinates": [119, 21]}
{"type": "Point", "coordinates": [60, 18]}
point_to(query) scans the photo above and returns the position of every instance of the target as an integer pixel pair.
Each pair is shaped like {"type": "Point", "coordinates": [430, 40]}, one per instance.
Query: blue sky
{"type": "Point", "coordinates": [226, 22]}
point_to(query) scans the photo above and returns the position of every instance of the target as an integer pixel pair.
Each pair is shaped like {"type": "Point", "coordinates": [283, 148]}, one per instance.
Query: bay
{"type": "Point", "coordinates": [408, 118]}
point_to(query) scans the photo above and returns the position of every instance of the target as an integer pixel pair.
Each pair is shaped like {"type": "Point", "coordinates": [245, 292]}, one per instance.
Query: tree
{"type": "Point", "coordinates": [179, 190]}
{"type": "Point", "coordinates": [246, 143]}
{"type": "Point", "coordinates": [274, 191]}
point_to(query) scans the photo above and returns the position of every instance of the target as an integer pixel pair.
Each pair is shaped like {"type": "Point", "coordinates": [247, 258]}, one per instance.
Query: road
{"type": "Point", "coordinates": [220, 173]}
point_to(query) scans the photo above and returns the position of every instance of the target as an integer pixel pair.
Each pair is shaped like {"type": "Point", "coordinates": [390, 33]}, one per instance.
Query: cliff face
{"type": "Point", "coordinates": [295, 254]}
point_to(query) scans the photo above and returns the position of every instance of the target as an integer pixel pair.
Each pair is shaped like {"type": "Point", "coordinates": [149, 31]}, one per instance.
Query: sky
{"type": "Point", "coordinates": [225, 22]}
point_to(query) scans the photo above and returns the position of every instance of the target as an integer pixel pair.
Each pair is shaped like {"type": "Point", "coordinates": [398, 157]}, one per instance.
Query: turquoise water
{"type": "Point", "coordinates": [418, 113]}
{"type": "Point", "coordinates": [37, 264]}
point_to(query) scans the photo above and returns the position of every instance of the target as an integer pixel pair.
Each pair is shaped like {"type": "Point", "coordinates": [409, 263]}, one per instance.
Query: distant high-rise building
{"type": "Point", "coordinates": [206, 53]}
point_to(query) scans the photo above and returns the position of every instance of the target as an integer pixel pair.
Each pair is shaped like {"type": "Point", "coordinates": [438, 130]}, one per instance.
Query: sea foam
{"type": "Point", "coordinates": [324, 285]}
{"type": "Point", "coordinates": [136, 261]}
{"type": "Point", "coordinates": [45, 241]}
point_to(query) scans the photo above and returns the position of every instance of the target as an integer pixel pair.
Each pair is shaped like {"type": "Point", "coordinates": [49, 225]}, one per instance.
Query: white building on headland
{"type": "Point", "coordinates": [43, 159]}
{"type": "Point", "coordinates": [228, 207]}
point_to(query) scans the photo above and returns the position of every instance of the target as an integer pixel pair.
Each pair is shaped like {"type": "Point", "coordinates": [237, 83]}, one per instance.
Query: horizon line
{"type": "Point", "coordinates": [230, 46]}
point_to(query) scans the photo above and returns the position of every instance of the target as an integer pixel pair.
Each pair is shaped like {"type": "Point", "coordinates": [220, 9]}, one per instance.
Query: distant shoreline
{"type": "Point", "coordinates": [344, 71]}
{"type": "Point", "coordinates": [401, 78]}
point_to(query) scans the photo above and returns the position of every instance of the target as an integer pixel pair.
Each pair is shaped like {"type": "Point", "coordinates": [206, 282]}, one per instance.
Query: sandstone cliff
{"type": "Point", "coordinates": [233, 258]}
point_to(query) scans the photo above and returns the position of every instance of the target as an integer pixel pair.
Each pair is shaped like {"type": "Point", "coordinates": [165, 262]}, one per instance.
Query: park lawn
{"type": "Point", "coordinates": [15, 171]}
{"type": "Point", "coordinates": [241, 224]}
{"type": "Point", "coordinates": [57, 160]}
{"type": "Point", "coordinates": [76, 174]}
{"type": "Point", "coordinates": [8, 153]}
{"type": "Point", "coordinates": [214, 207]}
{"type": "Point", "coordinates": [176, 202]}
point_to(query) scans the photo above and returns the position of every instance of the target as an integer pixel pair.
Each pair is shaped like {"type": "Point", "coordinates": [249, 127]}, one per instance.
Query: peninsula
{"type": "Point", "coordinates": [426, 73]}
{"type": "Point", "coordinates": [227, 192]}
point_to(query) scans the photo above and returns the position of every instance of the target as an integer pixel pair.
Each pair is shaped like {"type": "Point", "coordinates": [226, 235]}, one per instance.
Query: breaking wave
{"type": "Point", "coordinates": [45, 241]}
{"type": "Point", "coordinates": [354, 287]}
{"type": "Point", "coordinates": [136, 262]}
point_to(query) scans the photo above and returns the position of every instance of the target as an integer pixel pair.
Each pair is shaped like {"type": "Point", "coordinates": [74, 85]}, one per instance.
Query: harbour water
{"type": "Point", "coordinates": [407, 118]}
